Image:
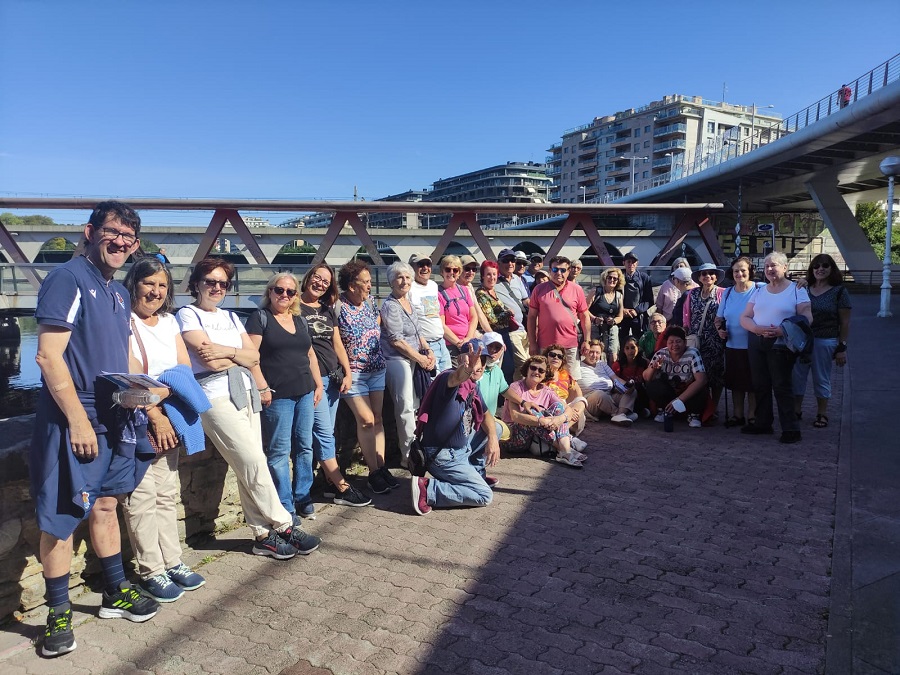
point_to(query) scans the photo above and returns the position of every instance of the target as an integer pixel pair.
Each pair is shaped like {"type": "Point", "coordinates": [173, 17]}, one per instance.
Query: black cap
{"type": "Point", "coordinates": [630, 256]}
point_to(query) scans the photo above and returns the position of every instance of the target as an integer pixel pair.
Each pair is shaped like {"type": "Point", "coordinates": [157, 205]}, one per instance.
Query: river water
{"type": "Point", "coordinates": [20, 378]}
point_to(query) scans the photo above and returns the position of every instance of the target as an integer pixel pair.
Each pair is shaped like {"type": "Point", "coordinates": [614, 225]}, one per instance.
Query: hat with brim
{"type": "Point", "coordinates": [468, 260]}
{"type": "Point", "coordinates": [708, 267]}
{"type": "Point", "coordinates": [505, 433]}
{"type": "Point", "coordinates": [417, 258]}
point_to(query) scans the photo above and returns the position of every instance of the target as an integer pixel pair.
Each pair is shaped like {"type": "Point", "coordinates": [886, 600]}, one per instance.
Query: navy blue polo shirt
{"type": "Point", "coordinates": [444, 428]}
{"type": "Point", "coordinates": [77, 297]}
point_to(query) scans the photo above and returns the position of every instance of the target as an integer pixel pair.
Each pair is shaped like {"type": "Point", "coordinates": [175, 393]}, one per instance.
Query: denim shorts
{"type": "Point", "coordinates": [365, 383]}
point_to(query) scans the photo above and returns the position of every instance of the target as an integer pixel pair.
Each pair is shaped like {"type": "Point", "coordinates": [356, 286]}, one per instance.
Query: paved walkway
{"type": "Point", "coordinates": [700, 551]}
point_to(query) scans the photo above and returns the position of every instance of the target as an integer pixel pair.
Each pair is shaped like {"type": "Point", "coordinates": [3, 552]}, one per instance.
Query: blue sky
{"type": "Point", "coordinates": [305, 100]}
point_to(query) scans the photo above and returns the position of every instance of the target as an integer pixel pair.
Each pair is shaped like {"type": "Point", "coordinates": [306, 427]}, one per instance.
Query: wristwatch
{"type": "Point", "coordinates": [842, 347]}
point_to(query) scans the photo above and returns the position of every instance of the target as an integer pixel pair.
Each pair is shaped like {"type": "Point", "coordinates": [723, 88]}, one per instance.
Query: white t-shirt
{"type": "Point", "coordinates": [426, 299]}
{"type": "Point", "coordinates": [159, 343]}
{"type": "Point", "coordinates": [598, 378]}
{"type": "Point", "coordinates": [770, 309]}
{"type": "Point", "coordinates": [223, 328]}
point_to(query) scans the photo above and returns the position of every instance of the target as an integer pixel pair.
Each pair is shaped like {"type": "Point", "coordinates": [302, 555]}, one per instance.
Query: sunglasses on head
{"type": "Point", "coordinates": [281, 291]}
{"type": "Point", "coordinates": [215, 283]}
{"type": "Point", "coordinates": [554, 355]}
{"type": "Point", "coordinates": [822, 266]}
{"type": "Point", "coordinates": [537, 369]}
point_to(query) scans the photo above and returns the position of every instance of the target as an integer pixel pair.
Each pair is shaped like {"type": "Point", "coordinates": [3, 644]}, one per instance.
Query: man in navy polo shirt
{"type": "Point", "coordinates": [77, 465]}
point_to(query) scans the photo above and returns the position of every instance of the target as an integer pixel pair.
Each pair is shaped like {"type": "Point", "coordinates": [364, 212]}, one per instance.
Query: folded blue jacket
{"type": "Point", "coordinates": [184, 407]}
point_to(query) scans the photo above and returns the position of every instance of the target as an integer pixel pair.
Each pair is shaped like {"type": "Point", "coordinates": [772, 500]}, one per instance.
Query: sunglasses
{"type": "Point", "coordinates": [215, 283]}
{"type": "Point", "coordinates": [821, 266]}
{"type": "Point", "coordinates": [494, 347]}
{"type": "Point", "coordinates": [449, 270]}
{"type": "Point", "coordinates": [559, 270]}
{"type": "Point", "coordinates": [708, 274]}
{"type": "Point", "coordinates": [472, 269]}
{"type": "Point", "coordinates": [281, 291]}
{"type": "Point", "coordinates": [508, 259]}
{"type": "Point", "coordinates": [537, 369]}
{"type": "Point", "coordinates": [423, 264]}
{"type": "Point", "coordinates": [554, 355]}
{"type": "Point", "coordinates": [612, 278]}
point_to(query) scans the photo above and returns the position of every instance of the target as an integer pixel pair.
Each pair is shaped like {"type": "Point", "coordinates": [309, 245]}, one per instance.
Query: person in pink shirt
{"type": "Point", "coordinates": [457, 303]}
{"type": "Point", "coordinates": [557, 307]}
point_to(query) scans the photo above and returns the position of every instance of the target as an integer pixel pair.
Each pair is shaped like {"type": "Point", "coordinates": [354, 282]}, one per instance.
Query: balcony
{"type": "Point", "coordinates": [554, 171]}
{"type": "Point", "coordinates": [670, 129]}
{"type": "Point", "coordinates": [588, 165]}
{"type": "Point", "coordinates": [587, 145]}
{"type": "Point", "coordinates": [678, 144]}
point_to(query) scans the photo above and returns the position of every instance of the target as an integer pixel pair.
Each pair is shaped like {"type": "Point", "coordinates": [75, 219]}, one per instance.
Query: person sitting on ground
{"type": "Point", "coordinates": [670, 291]}
{"type": "Point", "coordinates": [566, 387]}
{"type": "Point", "coordinates": [630, 367]}
{"type": "Point", "coordinates": [652, 339]}
{"type": "Point", "coordinates": [455, 410]}
{"type": "Point", "coordinates": [605, 392]}
{"type": "Point", "coordinates": [549, 423]}
{"type": "Point", "coordinates": [675, 379]}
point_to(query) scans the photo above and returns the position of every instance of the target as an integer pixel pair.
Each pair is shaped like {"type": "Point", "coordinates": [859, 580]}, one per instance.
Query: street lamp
{"type": "Point", "coordinates": [633, 159]}
{"type": "Point", "coordinates": [890, 167]}
{"type": "Point", "coordinates": [753, 121]}
{"type": "Point", "coordinates": [583, 189]}
{"type": "Point", "coordinates": [671, 157]}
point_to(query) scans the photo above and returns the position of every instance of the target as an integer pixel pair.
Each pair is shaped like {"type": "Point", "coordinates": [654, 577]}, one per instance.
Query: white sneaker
{"type": "Point", "coordinates": [694, 421]}
{"type": "Point", "coordinates": [660, 417]}
{"type": "Point", "coordinates": [621, 419]}
{"type": "Point", "coordinates": [577, 443]}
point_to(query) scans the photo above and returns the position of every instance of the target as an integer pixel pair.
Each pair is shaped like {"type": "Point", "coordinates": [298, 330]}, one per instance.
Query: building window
{"type": "Point", "coordinates": [646, 174]}
{"type": "Point", "coordinates": [637, 133]}
{"type": "Point", "coordinates": [710, 127]}
{"type": "Point", "coordinates": [646, 144]}
{"type": "Point", "coordinates": [647, 129]}
{"type": "Point", "coordinates": [637, 147]}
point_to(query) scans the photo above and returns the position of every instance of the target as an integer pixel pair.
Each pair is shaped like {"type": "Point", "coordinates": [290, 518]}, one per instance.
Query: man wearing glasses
{"type": "Point", "coordinates": [511, 292]}
{"type": "Point", "coordinates": [638, 296]}
{"type": "Point", "coordinates": [77, 465]}
{"type": "Point", "coordinates": [424, 295]}
{"type": "Point", "coordinates": [556, 310]}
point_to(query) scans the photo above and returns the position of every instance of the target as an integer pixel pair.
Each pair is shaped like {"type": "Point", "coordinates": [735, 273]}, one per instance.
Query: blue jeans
{"type": "Point", "coordinates": [323, 422]}
{"type": "Point", "coordinates": [455, 479]}
{"type": "Point", "coordinates": [441, 354]}
{"type": "Point", "coordinates": [478, 442]}
{"type": "Point", "coordinates": [820, 364]}
{"type": "Point", "coordinates": [287, 429]}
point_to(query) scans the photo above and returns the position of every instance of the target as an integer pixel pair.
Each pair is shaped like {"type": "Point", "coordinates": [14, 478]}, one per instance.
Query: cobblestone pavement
{"type": "Point", "coordinates": [699, 551]}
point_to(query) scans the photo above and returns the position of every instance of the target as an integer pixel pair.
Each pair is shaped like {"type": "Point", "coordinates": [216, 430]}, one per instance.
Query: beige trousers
{"type": "Point", "coordinates": [610, 403]}
{"type": "Point", "coordinates": [151, 516]}
{"type": "Point", "coordinates": [519, 341]}
{"type": "Point", "coordinates": [238, 438]}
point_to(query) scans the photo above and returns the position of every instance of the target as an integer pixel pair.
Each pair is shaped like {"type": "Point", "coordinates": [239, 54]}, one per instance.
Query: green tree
{"type": "Point", "coordinates": [10, 219]}
{"type": "Point", "coordinates": [58, 244]}
{"type": "Point", "coordinates": [873, 221]}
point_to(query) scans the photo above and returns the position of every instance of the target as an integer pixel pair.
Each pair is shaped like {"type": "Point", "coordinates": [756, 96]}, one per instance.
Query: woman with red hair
{"type": "Point", "coordinates": [499, 316]}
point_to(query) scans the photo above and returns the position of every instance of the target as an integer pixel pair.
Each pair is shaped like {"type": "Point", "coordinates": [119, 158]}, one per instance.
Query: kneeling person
{"type": "Point", "coordinates": [456, 410]}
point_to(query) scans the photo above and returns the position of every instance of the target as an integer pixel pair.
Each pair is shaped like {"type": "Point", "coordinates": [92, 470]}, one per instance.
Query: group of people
{"type": "Point", "coordinates": [449, 354]}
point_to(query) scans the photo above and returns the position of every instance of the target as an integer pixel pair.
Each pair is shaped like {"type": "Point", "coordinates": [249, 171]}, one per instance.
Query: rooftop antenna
{"type": "Point", "coordinates": [724, 89]}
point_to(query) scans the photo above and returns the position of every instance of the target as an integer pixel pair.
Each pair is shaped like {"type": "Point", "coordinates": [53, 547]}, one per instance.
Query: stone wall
{"type": "Point", "coordinates": [209, 504]}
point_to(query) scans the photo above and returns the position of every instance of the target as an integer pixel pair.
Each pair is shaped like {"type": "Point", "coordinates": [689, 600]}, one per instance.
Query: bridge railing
{"type": "Point", "coordinates": [722, 150]}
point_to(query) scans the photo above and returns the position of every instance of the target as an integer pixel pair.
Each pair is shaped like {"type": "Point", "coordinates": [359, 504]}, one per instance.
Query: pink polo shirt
{"type": "Point", "coordinates": [556, 324]}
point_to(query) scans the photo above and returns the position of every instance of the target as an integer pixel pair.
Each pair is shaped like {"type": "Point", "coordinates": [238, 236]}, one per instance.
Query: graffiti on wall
{"type": "Point", "coordinates": [792, 232]}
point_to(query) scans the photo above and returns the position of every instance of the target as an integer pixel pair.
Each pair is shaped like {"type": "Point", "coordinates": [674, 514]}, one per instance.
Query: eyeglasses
{"type": "Point", "coordinates": [659, 321]}
{"type": "Point", "coordinates": [449, 270]}
{"type": "Point", "coordinates": [554, 355]}
{"type": "Point", "coordinates": [577, 269]}
{"type": "Point", "coordinates": [537, 369]}
{"type": "Point", "coordinates": [508, 259]}
{"type": "Point", "coordinates": [281, 291]}
{"type": "Point", "coordinates": [128, 238]}
{"type": "Point", "coordinates": [472, 269]}
{"type": "Point", "coordinates": [822, 266]}
{"type": "Point", "coordinates": [215, 283]}
{"type": "Point", "coordinates": [559, 270]}
{"type": "Point", "coordinates": [316, 279]}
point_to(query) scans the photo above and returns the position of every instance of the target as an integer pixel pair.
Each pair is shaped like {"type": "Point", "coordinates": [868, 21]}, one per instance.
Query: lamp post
{"type": "Point", "coordinates": [583, 189]}
{"type": "Point", "coordinates": [753, 121]}
{"type": "Point", "coordinates": [890, 167]}
{"type": "Point", "coordinates": [633, 159]}
{"type": "Point", "coordinates": [671, 157]}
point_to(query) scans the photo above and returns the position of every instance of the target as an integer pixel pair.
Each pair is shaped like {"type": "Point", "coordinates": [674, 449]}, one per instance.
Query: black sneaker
{"type": "Point", "coordinates": [378, 483]}
{"type": "Point", "coordinates": [59, 638]}
{"type": "Point", "coordinates": [275, 546]}
{"type": "Point", "coordinates": [351, 497]}
{"type": "Point", "coordinates": [392, 482]}
{"type": "Point", "coordinates": [790, 437]}
{"type": "Point", "coordinates": [302, 542]}
{"type": "Point", "coordinates": [127, 603]}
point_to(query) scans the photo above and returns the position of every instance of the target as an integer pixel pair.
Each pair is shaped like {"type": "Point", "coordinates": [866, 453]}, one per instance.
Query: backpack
{"type": "Point", "coordinates": [264, 320]}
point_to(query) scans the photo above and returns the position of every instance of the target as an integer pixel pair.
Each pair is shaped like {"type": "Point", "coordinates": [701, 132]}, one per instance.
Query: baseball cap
{"type": "Point", "coordinates": [467, 260]}
{"type": "Point", "coordinates": [630, 256]}
{"type": "Point", "coordinates": [682, 274]}
{"type": "Point", "coordinates": [520, 255]}
{"type": "Point", "coordinates": [506, 253]}
{"type": "Point", "coordinates": [491, 338]}
{"type": "Point", "coordinates": [536, 256]}
{"type": "Point", "coordinates": [416, 258]}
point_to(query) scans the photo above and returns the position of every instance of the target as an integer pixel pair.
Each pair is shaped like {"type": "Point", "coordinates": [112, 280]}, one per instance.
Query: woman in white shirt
{"type": "Point", "coordinates": [771, 362]}
{"type": "Point", "coordinates": [151, 514]}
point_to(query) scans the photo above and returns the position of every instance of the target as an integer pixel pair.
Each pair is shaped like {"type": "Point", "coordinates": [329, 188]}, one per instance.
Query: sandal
{"type": "Point", "coordinates": [821, 421]}
{"type": "Point", "coordinates": [569, 459]}
{"type": "Point", "coordinates": [735, 422]}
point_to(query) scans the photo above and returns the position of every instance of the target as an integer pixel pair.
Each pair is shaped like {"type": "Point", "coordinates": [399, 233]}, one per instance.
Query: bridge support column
{"type": "Point", "coordinates": [842, 224]}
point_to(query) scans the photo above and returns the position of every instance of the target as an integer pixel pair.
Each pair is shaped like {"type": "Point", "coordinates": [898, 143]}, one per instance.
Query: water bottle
{"type": "Point", "coordinates": [134, 398]}
{"type": "Point", "coordinates": [668, 422]}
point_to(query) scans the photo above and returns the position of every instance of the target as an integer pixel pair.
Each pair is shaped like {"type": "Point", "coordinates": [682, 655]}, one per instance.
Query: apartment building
{"type": "Point", "coordinates": [609, 156]}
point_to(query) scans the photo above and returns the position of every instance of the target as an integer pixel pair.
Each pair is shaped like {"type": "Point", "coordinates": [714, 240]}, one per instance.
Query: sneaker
{"type": "Point", "coordinates": [569, 459]}
{"type": "Point", "coordinates": [185, 577]}
{"type": "Point", "coordinates": [307, 510]}
{"type": "Point", "coordinates": [621, 419]}
{"type": "Point", "coordinates": [694, 421]}
{"type": "Point", "coordinates": [660, 417]}
{"type": "Point", "coordinates": [127, 603]}
{"type": "Point", "coordinates": [351, 497]}
{"type": "Point", "coordinates": [790, 437]}
{"type": "Point", "coordinates": [646, 414]}
{"type": "Point", "coordinates": [301, 541]}
{"type": "Point", "coordinates": [634, 416]}
{"type": "Point", "coordinates": [389, 478]}
{"type": "Point", "coordinates": [59, 638]}
{"type": "Point", "coordinates": [161, 588]}
{"type": "Point", "coordinates": [491, 481]}
{"type": "Point", "coordinates": [274, 546]}
{"type": "Point", "coordinates": [378, 484]}
{"type": "Point", "coordinates": [420, 495]}
{"type": "Point", "coordinates": [577, 443]}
